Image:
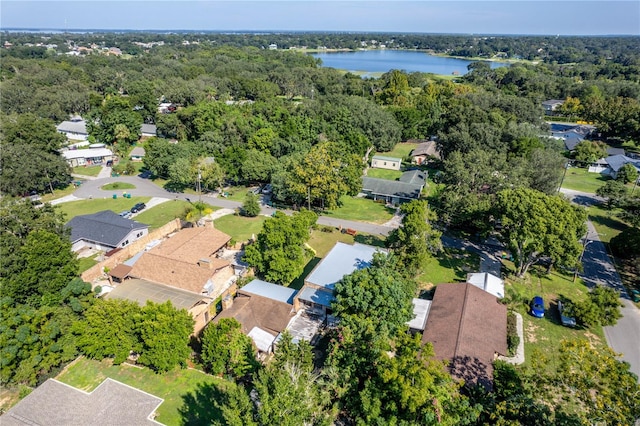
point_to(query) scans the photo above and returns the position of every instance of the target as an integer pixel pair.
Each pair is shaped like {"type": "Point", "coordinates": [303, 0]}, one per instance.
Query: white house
{"type": "Point", "coordinates": [74, 129]}
{"type": "Point", "coordinates": [381, 162]}
{"type": "Point", "coordinates": [89, 156]}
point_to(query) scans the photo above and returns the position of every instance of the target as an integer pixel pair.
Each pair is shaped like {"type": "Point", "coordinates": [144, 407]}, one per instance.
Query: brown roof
{"type": "Point", "coordinates": [192, 244]}
{"type": "Point", "coordinates": [426, 148]}
{"type": "Point", "coordinates": [121, 271]}
{"type": "Point", "coordinates": [176, 273]}
{"type": "Point", "coordinates": [467, 326]}
{"type": "Point", "coordinates": [141, 291]}
{"type": "Point", "coordinates": [257, 311]}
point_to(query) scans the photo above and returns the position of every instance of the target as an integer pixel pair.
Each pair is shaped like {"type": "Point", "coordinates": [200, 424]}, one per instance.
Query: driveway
{"type": "Point", "coordinates": [598, 268]}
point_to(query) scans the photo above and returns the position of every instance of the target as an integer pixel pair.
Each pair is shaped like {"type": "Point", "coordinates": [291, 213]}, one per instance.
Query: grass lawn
{"type": "Point", "coordinates": [543, 335]}
{"type": "Point", "coordinates": [87, 262]}
{"type": "Point", "coordinates": [58, 193]}
{"type": "Point", "coordinates": [606, 222]}
{"type": "Point", "coordinates": [76, 208]}
{"type": "Point", "coordinates": [240, 228]}
{"type": "Point", "coordinates": [178, 387]}
{"type": "Point", "coordinates": [384, 174]}
{"type": "Point", "coordinates": [449, 266]}
{"type": "Point", "coordinates": [118, 185]}
{"type": "Point", "coordinates": [159, 215]}
{"type": "Point", "coordinates": [238, 193]}
{"type": "Point", "coordinates": [401, 150]}
{"type": "Point", "coordinates": [362, 209]}
{"type": "Point", "coordinates": [87, 170]}
{"type": "Point", "coordinates": [581, 180]}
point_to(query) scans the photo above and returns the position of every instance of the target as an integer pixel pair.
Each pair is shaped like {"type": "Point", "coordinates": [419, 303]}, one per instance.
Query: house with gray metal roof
{"type": "Point", "coordinates": [269, 290]}
{"type": "Point", "coordinates": [616, 162]}
{"type": "Point", "coordinates": [111, 403]}
{"type": "Point", "coordinates": [148, 130]}
{"type": "Point", "coordinates": [74, 129]}
{"type": "Point", "coordinates": [87, 157]}
{"type": "Point", "coordinates": [317, 293]}
{"type": "Point", "coordinates": [408, 187]}
{"type": "Point", "coordinates": [104, 231]}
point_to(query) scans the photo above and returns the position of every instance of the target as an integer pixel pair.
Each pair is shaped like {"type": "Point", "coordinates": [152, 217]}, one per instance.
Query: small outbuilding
{"type": "Point", "coordinates": [389, 163]}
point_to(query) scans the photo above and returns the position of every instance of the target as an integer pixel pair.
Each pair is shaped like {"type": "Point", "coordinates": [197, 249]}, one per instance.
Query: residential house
{"type": "Point", "coordinates": [263, 309]}
{"type": "Point", "coordinates": [104, 231]}
{"type": "Point", "coordinates": [87, 157]}
{"type": "Point", "coordinates": [424, 152]}
{"type": "Point", "coordinates": [408, 187]}
{"type": "Point", "coordinates": [551, 105]}
{"type": "Point", "coordinates": [137, 154]}
{"type": "Point", "coordinates": [467, 326]}
{"type": "Point", "coordinates": [616, 162]}
{"type": "Point", "coordinates": [317, 293]}
{"type": "Point", "coordinates": [487, 282]}
{"type": "Point", "coordinates": [390, 163]}
{"type": "Point", "coordinates": [148, 130]}
{"type": "Point", "coordinates": [141, 291]}
{"type": "Point", "coordinates": [74, 129]}
{"type": "Point", "coordinates": [189, 260]}
{"type": "Point", "coordinates": [56, 403]}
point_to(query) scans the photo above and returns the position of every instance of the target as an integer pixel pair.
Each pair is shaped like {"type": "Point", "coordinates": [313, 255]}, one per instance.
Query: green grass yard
{"type": "Point", "coordinates": [159, 215]}
{"type": "Point", "coordinates": [177, 387]}
{"type": "Point", "coordinates": [75, 208]}
{"type": "Point", "coordinates": [606, 222]}
{"type": "Point", "coordinates": [361, 209]}
{"type": "Point", "coordinates": [240, 228]}
{"type": "Point", "coordinates": [581, 180]}
{"type": "Point", "coordinates": [86, 263]}
{"type": "Point", "coordinates": [87, 170]}
{"type": "Point", "coordinates": [384, 174]}
{"type": "Point", "coordinates": [449, 266]}
{"type": "Point", "coordinates": [401, 150]}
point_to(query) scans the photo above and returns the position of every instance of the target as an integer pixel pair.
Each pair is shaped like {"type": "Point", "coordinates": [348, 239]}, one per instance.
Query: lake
{"type": "Point", "coordinates": [377, 61]}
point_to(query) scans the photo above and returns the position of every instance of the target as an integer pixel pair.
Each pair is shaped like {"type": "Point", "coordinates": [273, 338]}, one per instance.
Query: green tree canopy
{"type": "Point", "coordinates": [627, 173]}
{"type": "Point", "coordinates": [589, 151]}
{"type": "Point", "coordinates": [535, 225]}
{"type": "Point", "coordinates": [251, 206]}
{"type": "Point", "coordinates": [116, 122]}
{"type": "Point", "coordinates": [226, 349]}
{"type": "Point", "coordinates": [279, 253]}
{"type": "Point", "coordinates": [614, 191]}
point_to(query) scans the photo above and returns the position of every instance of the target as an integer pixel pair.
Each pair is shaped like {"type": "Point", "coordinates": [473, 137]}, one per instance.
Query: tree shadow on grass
{"type": "Point", "coordinates": [371, 240]}
{"type": "Point", "coordinates": [299, 281]}
{"type": "Point", "coordinates": [199, 406]}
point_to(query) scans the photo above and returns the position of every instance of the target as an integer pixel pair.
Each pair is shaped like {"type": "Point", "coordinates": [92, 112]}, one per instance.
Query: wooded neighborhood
{"type": "Point", "coordinates": [216, 229]}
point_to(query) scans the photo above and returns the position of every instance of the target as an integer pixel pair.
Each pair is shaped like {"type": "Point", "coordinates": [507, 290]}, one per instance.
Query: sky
{"type": "Point", "coordinates": [534, 17]}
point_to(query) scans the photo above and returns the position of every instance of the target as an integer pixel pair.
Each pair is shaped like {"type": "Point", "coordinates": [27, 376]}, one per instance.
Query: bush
{"type": "Point", "coordinates": [327, 229]}
{"type": "Point", "coordinates": [627, 243]}
{"type": "Point", "coordinates": [513, 340]}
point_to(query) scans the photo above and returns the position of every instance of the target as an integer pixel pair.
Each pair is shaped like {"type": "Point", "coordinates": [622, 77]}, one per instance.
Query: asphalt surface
{"type": "Point", "coordinates": [598, 269]}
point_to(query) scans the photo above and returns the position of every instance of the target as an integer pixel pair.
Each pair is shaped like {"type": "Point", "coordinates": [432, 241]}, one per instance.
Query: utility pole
{"type": "Point", "coordinates": [199, 187]}
{"type": "Point", "coordinates": [309, 197]}
{"type": "Point", "coordinates": [566, 166]}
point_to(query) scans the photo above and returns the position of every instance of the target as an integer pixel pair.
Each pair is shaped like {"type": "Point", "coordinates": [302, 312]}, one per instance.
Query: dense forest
{"type": "Point", "coordinates": [277, 116]}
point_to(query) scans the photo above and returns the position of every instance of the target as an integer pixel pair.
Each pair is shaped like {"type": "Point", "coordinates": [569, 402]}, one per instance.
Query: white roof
{"type": "Point", "coordinates": [272, 291]}
{"type": "Point", "coordinates": [263, 339]}
{"type": "Point", "coordinates": [86, 153]}
{"type": "Point", "coordinates": [76, 126]}
{"type": "Point", "coordinates": [487, 282]}
{"type": "Point", "coordinates": [420, 313]}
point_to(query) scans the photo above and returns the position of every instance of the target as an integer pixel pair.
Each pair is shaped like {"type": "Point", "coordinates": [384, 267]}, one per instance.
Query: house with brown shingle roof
{"type": "Point", "coordinates": [424, 151]}
{"type": "Point", "coordinates": [467, 327]}
{"type": "Point", "coordinates": [188, 261]}
{"type": "Point", "coordinates": [263, 309]}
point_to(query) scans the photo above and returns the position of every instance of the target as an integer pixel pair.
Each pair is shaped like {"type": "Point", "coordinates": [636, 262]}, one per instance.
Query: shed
{"type": "Point", "coordinates": [382, 162]}
{"type": "Point", "coordinates": [137, 153]}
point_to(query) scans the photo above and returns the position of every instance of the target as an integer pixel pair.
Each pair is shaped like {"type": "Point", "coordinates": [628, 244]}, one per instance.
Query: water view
{"type": "Point", "coordinates": [376, 61]}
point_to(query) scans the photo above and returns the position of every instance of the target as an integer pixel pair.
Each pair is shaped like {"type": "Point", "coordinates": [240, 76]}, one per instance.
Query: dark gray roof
{"type": "Point", "coordinates": [417, 177]}
{"type": "Point", "coordinates": [105, 227]}
{"type": "Point", "coordinates": [148, 128]}
{"type": "Point", "coordinates": [391, 188]}
{"type": "Point", "coordinates": [615, 151]}
{"type": "Point", "coordinates": [617, 161]}
{"type": "Point", "coordinates": [111, 403]}
{"type": "Point", "coordinates": [138, 151]}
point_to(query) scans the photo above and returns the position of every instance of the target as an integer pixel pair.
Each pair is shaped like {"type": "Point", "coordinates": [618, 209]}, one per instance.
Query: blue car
{"type": "Point", "coordinates": [537, 307]}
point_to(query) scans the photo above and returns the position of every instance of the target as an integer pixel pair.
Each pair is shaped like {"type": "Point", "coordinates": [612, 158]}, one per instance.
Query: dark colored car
{"type": "Point", "coordinates": [537, 307]}
{"type": "Point", "coordinates": [565, 318]}
{"type": "Point", "coordinates": [146, 174]}
{"type": "Point", "coordinates": [138, 207]}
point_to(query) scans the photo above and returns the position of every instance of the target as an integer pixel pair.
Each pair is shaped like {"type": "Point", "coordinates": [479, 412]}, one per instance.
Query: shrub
{"type": "Point", "coordinates": [627, 243]}
{"type": "Point", "coordinates": [513, 340]}
{"type": "Point", "coordinates": [327, 229]}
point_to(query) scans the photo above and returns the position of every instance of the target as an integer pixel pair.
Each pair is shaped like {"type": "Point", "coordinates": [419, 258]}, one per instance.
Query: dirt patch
{"type": "Point", "coordinates": [593, 339]}
{"type": "Point", "coordinates": [532, 332]}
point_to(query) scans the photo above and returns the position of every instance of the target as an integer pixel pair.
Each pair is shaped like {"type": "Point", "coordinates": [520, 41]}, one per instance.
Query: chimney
{"type": "Point", "coordinates": [227, 302]}
{"type": "Point", "coordinates": [205, 263]}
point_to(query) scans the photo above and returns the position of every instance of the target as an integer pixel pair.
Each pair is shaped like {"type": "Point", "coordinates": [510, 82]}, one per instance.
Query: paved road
{"type": "Point", "coordinates": [489, 254]}
{"type": "Point", "coordinates": [624, 337]}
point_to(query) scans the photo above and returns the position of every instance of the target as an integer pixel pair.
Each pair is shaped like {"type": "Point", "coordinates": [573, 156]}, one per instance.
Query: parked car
{"type": "Point", "coordinates": [146, 174]}
{"type": "Point", "coordinates": [138, 207]}
{"type": "Point", "coordinates": [537, 307]}
{"type": "Point", "coordinates": [567, 321]}
{"type": "Point", "coordinates": [126, 214]}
